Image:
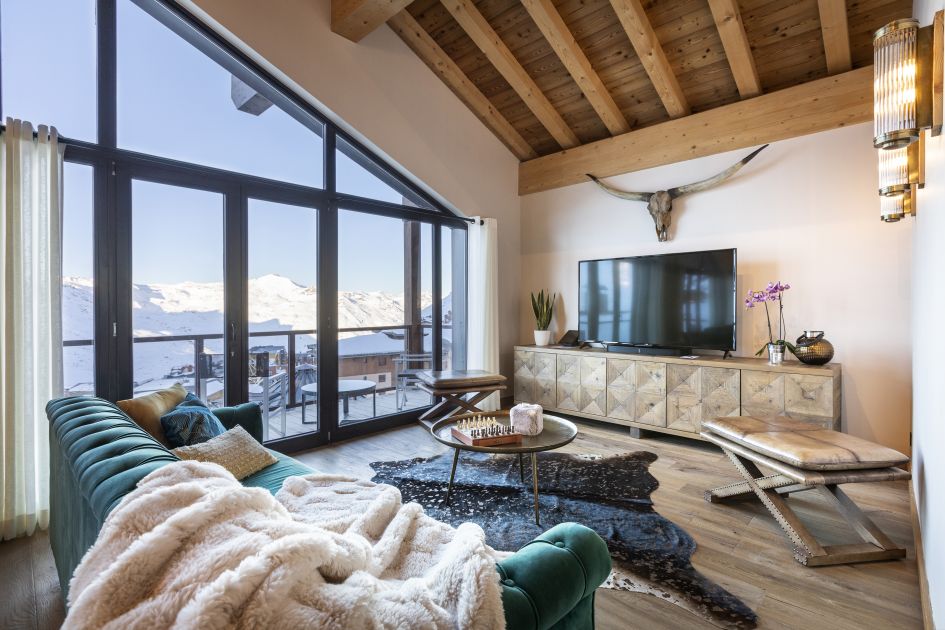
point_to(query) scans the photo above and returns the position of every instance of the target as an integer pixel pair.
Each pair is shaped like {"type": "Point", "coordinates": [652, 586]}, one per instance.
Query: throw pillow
{"type": "Point", "coordinates": [146, 411]}
{"type": "Point", "coordinates": [191, 400]}
{"type": "Point", "coordinates": [190, 424]}
{"type": "Point", "coordinates": [235, 450]}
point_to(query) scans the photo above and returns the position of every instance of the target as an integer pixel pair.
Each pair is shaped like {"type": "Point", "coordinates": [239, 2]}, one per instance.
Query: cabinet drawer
{"type": "Point", "coordinates": [721, 392]}
{"type": "Point", "coordinates": [650, 408]}
{"type": "Point", "coordinates": [650, 377]}
{"type": "Point", "coordinates": [808, 395]}
{"type": "Point", "coordinates": [762, 393]}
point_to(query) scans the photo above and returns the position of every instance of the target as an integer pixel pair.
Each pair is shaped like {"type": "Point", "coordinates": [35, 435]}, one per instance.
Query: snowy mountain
{"type": "Point", "coordinates": [276, 303]}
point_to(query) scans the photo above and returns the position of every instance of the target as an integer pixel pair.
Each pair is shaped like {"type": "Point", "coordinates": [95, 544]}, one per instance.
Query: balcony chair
{"type": "Point", "coordinates": [407, 367]}
{"type": "Point", "coordinates": [271, 394]}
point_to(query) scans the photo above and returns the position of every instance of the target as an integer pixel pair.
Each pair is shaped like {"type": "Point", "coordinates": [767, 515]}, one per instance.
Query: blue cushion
{"type": "Point", "coordinates": [191, 400]}
{"type": "Point", "coordinates": [188, 425]}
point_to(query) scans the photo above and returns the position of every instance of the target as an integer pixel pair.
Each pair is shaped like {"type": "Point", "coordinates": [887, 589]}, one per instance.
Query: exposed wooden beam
{"type": "Point", "coordinates": [728, 21]}
{"type": "Point", "coordinates": [489, 42]}
{"type": "Point", "coordinates": [558, 34]}
{"type": "Point", "coordinates": [837, 101]}
{"type": "Point", "coordinates": [354, 19]}
{"type": "Point", "coordinates": [416, 37]}
{"type": "Point", "coordinates": [833, 24]}
{"type": "Point", "coordinates": [634, 21]}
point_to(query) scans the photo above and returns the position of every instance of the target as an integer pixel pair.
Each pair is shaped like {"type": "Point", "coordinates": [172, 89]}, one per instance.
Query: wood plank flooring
{"type": "Point", "coordinates": [740, 545]}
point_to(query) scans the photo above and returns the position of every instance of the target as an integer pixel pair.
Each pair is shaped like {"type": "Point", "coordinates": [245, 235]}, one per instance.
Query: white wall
{"type": "Point", "coordinates": [928, 365]}
{"type": "Point", "coordinates": [804, 211]}
{"type": "Point", "coordinates": [381, 91]}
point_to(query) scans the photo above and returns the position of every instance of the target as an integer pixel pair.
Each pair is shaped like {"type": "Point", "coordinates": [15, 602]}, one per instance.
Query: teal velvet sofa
{"type": "Point", "coordinates": [98, 455]}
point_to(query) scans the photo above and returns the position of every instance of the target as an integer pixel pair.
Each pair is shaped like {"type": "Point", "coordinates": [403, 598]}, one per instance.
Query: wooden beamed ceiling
{"type": "Point", "coordinates": [550, 77]}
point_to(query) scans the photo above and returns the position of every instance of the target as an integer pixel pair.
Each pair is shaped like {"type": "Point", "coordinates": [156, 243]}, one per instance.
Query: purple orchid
{"type": "Point", "coordinates": [773, 292]}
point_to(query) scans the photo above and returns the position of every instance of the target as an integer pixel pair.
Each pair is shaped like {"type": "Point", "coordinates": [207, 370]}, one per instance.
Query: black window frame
{"type": "Point", "coordinates": [115, 167]}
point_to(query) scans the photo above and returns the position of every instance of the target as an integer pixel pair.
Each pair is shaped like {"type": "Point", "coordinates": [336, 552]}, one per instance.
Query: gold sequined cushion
{"type": "Point", "coordinates": [235, 450]}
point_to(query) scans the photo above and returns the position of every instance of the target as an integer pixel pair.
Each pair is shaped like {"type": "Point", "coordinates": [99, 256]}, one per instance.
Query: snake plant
{"type": "Point", "coordinates": [543, 304]}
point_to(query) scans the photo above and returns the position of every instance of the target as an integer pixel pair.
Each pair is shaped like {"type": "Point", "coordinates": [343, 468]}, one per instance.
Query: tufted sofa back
{"type": "Point", "coordinates": [97, 455]}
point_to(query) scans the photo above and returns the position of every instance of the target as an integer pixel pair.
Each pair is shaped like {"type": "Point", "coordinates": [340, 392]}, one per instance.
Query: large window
{"type": "Point", "coordinates": [176, 102]}
{"type": "Point", "coordinates": [78, 283]}
{"type": "Point", "coordinates": [211, 215]}
{"type": "Point", "coordinates": [50, 84]}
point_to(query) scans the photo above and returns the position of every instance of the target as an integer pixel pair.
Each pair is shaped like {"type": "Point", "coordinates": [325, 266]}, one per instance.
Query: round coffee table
{"type": "Point", "coordinates": [557, 433]}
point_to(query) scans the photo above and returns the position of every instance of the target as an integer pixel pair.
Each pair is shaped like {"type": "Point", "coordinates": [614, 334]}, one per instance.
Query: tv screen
{"type": "Point", "coordinates": [670, 301]}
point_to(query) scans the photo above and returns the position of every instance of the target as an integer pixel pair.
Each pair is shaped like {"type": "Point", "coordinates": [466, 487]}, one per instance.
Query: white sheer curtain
{"type": "Point", "coordinates": [483, 335]}
{"type": "Point", "coordinates": [30, 319]}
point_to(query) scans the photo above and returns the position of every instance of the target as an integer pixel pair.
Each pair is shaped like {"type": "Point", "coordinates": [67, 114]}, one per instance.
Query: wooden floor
{"type": "Point", "coordinates": [740, 546]}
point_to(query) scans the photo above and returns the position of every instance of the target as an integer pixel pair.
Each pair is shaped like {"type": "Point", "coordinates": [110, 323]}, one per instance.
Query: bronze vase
{"type": "Point", "coordinates": [811, 348]}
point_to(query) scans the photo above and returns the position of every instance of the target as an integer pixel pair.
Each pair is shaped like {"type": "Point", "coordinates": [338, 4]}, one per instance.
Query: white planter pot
{"type": "Point", "coordinates": [542, 337]}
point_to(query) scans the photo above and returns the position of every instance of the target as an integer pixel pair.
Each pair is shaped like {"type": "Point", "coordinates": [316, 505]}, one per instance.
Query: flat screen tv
{"type": "Point", "coordinates": [675, 301]}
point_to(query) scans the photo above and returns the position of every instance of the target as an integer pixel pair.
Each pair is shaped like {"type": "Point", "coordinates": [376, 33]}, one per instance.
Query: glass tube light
{"type": "Point", "coordinates": [893, 171]}
{"type": "Point", "coordinates": [894, 84]}
{"type": "Point", "coordinates": [892, 207]}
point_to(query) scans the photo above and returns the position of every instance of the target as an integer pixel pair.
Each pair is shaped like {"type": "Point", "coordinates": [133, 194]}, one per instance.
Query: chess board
{"type": "Point", "coordinates": [485, 431]}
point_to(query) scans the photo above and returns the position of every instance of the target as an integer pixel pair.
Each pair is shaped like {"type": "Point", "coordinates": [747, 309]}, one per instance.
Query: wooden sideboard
{"type": "Point", "coordinates": [673, 395]}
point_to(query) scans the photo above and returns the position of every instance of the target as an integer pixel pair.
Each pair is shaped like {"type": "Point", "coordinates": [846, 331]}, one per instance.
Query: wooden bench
{"type": "Point", "coordinates": [804, 457]}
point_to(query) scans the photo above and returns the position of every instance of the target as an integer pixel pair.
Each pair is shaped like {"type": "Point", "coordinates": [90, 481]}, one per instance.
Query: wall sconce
{"type": "Point", "coordinates": [907, 99]}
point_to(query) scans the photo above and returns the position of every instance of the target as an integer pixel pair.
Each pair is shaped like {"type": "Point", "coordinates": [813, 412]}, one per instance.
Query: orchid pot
{"type": "Point", "coordinates": [775, 353]}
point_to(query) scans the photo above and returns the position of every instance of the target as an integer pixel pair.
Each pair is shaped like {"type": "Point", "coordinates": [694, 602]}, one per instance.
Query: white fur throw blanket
{"type": "Point", "coordinates": [192, 548]}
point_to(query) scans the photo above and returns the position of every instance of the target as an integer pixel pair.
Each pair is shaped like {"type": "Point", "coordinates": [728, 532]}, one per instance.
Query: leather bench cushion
{"type": "Point", "coordinates": [804, 445]}
{"type": "Point", "coordinates": [458, 379]}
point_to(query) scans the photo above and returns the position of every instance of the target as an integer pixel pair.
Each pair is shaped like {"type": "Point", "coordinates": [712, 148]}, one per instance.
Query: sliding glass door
{"type": "Point", "coordinates": [283, 316]}
{"type": "Point", "coordinates": [384, 312]}
{"type": "Point", "coordinates": [177, 289]}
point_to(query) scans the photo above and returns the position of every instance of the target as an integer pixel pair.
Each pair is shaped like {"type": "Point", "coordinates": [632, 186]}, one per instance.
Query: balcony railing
{"type": "Point", "coordinates": [292, 363]}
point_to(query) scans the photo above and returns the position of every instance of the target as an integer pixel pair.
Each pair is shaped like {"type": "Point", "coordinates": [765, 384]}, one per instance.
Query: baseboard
{"type": "Point", "coordinates": [927, 621]}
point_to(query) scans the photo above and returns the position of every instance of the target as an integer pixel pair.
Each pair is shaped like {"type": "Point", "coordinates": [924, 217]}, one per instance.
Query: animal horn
{"type": "Point", "coordinates": [623, 194]}
{"type": "Point", "coordinates": [706, 184]}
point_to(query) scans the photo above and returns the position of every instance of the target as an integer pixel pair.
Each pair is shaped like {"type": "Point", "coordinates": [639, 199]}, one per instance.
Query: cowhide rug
{"type": "Point", "coordinates": [651, 554]}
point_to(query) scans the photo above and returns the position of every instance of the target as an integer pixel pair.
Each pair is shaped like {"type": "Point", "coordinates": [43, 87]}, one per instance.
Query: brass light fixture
{"type": "Point", "coordinates": [894, 85]}
{"type": "Point", "coordinates": [907, 99]}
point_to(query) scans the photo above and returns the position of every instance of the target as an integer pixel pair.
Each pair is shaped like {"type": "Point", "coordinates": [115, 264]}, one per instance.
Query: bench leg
{"type": "Point", "coordinates": [453, 403]}
{"type": "Point", "coordinates": [807, 551]}
{"type": "Point", "coordinates": [740, 490]}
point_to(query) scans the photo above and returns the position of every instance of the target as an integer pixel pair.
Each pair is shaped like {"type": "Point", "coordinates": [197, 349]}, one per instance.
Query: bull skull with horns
{"type": "Point", "coordinates": [660, 203]}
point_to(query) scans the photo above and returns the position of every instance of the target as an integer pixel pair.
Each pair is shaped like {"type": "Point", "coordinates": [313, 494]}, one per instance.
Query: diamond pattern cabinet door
{"type": "Point", "coordinates": [720, 393]}
{"type": "Point", "coordinates": [808, 397]}
{"type": "Point", "coordinates": [524, 376]}
{"type": "Point", "coordinates": [651, 377]}
{"type": "Point", "coordinates": [649, 405]}
{"type": "Point", "coordinates": [594, 385]}
{"type": "Point", "coordinates": [545, 392]}
{"type": "Point", "coordinates": [568, 369]}
{"type": "Point", "coordinates": [762, 393]}
{"type": "Point", "coordinates": [621, 387]}
{"type": "Point", "coordinates": [683, 397]}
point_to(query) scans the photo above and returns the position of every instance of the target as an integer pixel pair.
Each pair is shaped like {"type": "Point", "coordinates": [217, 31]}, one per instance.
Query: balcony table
{"type": "Point", "coordinates": [346, 389]}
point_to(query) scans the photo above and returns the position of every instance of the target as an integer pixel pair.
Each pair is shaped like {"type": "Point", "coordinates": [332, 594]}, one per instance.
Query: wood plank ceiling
{"type": "Point", "coordinates": [547, 75]}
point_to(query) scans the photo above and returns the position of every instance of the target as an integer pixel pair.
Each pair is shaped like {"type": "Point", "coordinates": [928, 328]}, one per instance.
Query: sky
{"type": "Point", "coordinates": [175, 102]}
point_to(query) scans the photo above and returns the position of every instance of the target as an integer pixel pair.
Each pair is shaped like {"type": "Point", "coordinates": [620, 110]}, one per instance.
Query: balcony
{"type": "Point", "coordinates": [374, 353]}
